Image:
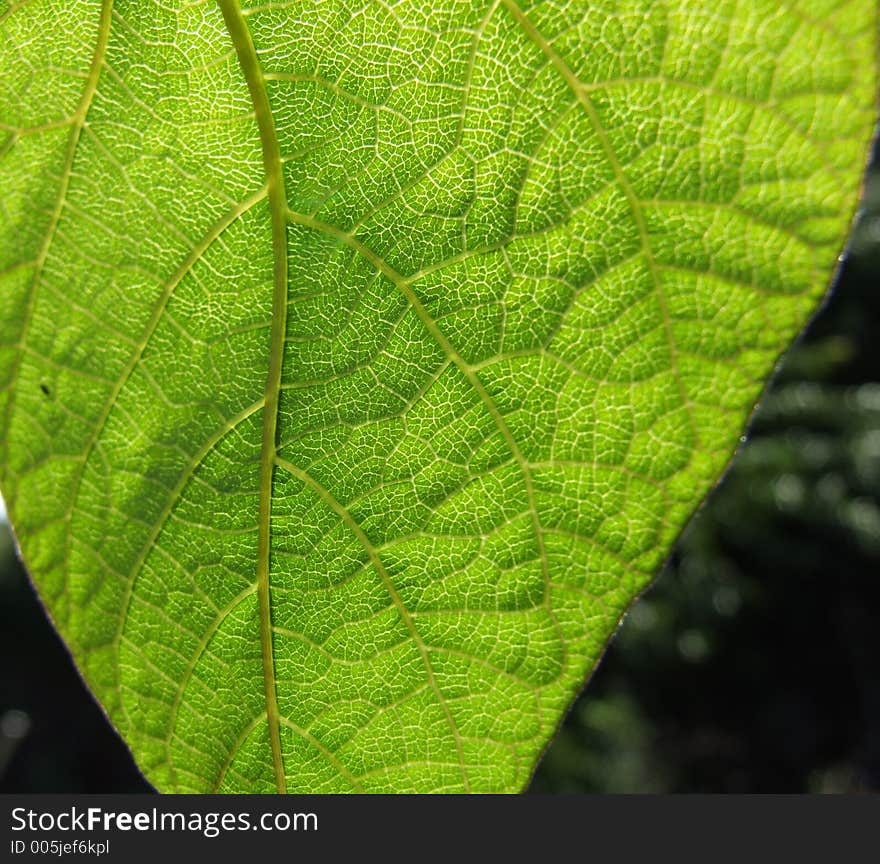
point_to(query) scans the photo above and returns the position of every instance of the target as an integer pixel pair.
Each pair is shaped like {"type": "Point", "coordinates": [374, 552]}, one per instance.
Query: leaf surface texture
{"type": "Point", "coordinates": [359, 364]}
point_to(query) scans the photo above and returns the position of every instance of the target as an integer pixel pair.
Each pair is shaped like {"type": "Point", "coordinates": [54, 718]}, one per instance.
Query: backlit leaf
{"type": "Point", "coordinates": [360, 363]}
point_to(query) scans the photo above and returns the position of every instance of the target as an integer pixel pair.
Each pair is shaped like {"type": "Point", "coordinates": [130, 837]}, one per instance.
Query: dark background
{"type": "Point", "coordinates": [752, 663]}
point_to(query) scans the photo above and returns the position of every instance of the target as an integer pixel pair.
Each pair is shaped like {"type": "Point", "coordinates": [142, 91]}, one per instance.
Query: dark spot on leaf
{"type": "Point", "coordinates": [45, 389]}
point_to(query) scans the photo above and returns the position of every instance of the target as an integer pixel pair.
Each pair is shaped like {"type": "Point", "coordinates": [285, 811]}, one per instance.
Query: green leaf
{"type": "Point", "coordinates": [361, 363]}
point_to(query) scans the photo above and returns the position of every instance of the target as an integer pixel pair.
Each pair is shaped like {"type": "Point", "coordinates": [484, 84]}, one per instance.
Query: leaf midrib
{"type": "Point", "coordinates": [280, 214]}
{"type": "Point", "coordinates": [253, 73]}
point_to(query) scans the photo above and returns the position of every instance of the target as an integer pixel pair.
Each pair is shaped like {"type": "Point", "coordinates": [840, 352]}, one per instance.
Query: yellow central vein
{"type": "Point", "coordinates": [253, 73]}
{"type": "Point", "coordinates": [582, 95]}
{"type": "Point", "coordinates": [327, 497]}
